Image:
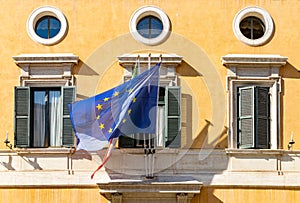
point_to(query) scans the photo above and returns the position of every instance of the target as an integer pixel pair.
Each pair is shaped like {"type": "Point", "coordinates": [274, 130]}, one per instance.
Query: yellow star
{"type": "Point", "coordinates": [106, 99]}
{"type": "Point", "coordinates": [129, 111]}
{"type": "Point", "coordinates": [101, 126]}
{"type": "Point", "coordinates": [134, 100]}
{"type": "Point", "coordinates": [124, 120]}
{"type": "Point", "coordinates": [98, 117]}
{"type": "Point", "coordinates": [110, 130]}
{"type": "Point", "coordinates": [99, 107]}
{"type": "Point", "coordinates": [116, 94]}
{"type": "Point", "coordinates": [130, 90]}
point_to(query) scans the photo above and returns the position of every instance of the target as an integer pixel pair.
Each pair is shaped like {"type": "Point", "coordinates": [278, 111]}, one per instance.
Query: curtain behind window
{"type": "Point", "coordinates": [39, 115]}
{"type": "Point", "coordinates": [55, 117]}
{"type": "Point", "coordinates": [47, 126]}
{"type": "Point", "coordinates": [160, 125]}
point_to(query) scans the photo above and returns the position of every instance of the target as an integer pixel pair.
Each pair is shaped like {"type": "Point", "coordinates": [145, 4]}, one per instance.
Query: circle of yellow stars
{"type": "Point", "coordinates": [106, 99]}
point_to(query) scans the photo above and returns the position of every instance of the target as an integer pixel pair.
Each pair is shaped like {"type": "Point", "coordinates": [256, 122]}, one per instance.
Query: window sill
{"type": "Point", "coordinates": [141, 150]}
{"type": "Point", "coordinates": [245, 152]}
{"type": "Point", "coordinates": [27, 151]}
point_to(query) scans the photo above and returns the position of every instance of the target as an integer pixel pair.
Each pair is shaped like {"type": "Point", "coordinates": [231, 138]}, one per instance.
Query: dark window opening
{"type": "Point", "coordinates": [252, 27]}
{"type": "Point", "coordinates": [168, 123]}
{"type": "Point", "coordinates": [45, 116]}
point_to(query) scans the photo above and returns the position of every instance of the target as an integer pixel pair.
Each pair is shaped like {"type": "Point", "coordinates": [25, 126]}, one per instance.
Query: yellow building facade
{"type": "Point", "coordinates": [232, 67]}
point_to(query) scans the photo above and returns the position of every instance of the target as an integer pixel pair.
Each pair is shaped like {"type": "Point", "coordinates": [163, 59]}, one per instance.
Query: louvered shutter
{"type": "Point", "coordinates": [262, 110]}
{"type": "Point", "coordinates": [68, 97]}
{"type": "Point", "coordinates": [246, 117]}
{"type": "Point", "coordinates": [22, 117]}
{"type": "Point", "coordinates": [172, 116]}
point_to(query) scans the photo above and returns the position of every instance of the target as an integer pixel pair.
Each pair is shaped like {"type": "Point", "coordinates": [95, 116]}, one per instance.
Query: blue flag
{"type": "Point", "coordinates": [126, 109]}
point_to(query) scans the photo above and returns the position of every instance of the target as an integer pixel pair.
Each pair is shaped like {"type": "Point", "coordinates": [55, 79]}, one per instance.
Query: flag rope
{"type": "Point", "coordinates": [106, 157]}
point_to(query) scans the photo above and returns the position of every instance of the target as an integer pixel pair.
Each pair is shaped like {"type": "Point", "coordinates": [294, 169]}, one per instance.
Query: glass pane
{"type": "Point", "coordinates": [47, 27]}
{"type": "Point", "coordinates": [156, 27]}
{"type": "Point", "coordinates": [143, 27]}
{"type": "Point", "coordinates": [149, 27]}
{"type": "Point", "coordinates": [252, 27]}
{"type": "Point", "coordinates": [160, 128]}
{"type": "Point", "coordinates": [55, 118]}
{"type": "Point", "coordinates": [39, 118]}
{"type": "Point", "coordinates": [41, 27]}
{"type": "Point", "coordinates": [54, 27]}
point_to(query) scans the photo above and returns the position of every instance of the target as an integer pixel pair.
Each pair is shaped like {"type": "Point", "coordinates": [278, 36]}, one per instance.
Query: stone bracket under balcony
{"type": "Point", "coordinates": [159, 189]}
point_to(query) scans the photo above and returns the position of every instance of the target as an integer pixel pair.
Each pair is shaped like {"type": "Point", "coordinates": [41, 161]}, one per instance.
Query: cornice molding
{"type": "Point", "coordinates": [166, 59]}
{"type": "Point", "coordinates": [45, 58]}
{"type": "Point", "coordinates": [253, 59]}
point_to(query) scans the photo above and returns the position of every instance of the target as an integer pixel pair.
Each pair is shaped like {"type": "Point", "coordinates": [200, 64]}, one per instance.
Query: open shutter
{"type": "Point", "coordinates": [68, 97]}
{"type": "Point", "coordinates": [173, 113]}
{"type": "Point", "coordinates": [22, 117]}
{"type": "Point", "coordinates": [262, 121]}
{"type": "Point", "coordinates": [246, 117]}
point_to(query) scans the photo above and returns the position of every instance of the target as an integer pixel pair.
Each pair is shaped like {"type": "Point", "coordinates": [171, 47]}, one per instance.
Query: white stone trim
{"type": "Point", "coordinates": [169, 62]}
{"type": "Point", "coordinates": [46, 69]}
{"type": "Point", "coordinates": [46, 58]}
{"type": "Point", "coordinates": [46, 11]}
{"type": "Point", "coordinates": [260, 13]}
{"type": "Point", "coordinates": [146, 11]}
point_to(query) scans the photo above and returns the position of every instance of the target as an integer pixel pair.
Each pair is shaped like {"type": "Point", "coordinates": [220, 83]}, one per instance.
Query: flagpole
{"type": "Point", "coordinates": [138, 63]}
{"type": "Point", "coordinates": [156, 132]}
{"type": "Point", "coordinates": [149, 154]}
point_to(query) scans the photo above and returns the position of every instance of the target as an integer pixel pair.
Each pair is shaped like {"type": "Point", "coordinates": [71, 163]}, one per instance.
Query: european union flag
{"type": "Point", "coordinates": [126, 109]}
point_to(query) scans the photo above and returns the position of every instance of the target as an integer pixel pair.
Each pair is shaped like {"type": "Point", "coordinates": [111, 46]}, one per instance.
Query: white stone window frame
{"type": "Point", "coordinates": [38, 14]}
{"type": "Point", "coordinates": [260, 70]}
{"type": "Point", "coordinates": [46, 70]}
{"type": "Point", "coordinates": [260, 13]}
{"type": "Point", "coordinates": [147, 11]}
{"type": "Point", "coordinates": [169, 62]}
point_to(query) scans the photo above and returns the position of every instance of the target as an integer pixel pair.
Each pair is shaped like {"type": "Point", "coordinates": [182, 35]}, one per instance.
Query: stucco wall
{"type": "Point", "coordinates": [206, 25]}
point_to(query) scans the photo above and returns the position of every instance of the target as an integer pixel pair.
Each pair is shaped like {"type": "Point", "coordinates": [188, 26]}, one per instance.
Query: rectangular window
{"type": "Point", "coordinates": [42, 116]}
{"type": "Point", "coordinates": [253, 118]}
{"type": "Point", "coordinates": [168, 125]}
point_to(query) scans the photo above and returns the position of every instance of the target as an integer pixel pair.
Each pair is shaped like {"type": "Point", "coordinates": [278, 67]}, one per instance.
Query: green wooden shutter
{"type": "Point", "coordinates": [246, 117]}
{"type": "Point", "coordinates": [172, 116]}
{"type": "Point", "coordinates": [262, 122]}
{"type": "Point", "coordinates": [22, 117]}
{"type": "Point", "coordinates": [68, 95]}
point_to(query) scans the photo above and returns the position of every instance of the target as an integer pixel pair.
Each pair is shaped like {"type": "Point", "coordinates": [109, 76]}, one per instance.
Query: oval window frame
{"type": "Point", "coordinates": [147, 11]}
{"type": "Point", "coordinates": [260, 13]}
{"type": "Point", "coordinates": [46, 11]}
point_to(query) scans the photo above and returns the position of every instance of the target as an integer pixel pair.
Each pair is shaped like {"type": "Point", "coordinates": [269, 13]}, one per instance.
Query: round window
{"type": "Point", "coordinates": [47, 25]}
{"type": "Point", "coordinates": [253, 26]}
{"type": "Point", "coordinates": [149, 25]}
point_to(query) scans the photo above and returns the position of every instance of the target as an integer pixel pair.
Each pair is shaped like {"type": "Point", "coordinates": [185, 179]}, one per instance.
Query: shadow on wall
{"type": "Point", "coordinates": [287, 72]}
{"type": "Point", "coordinates": [201, 140]}
{"type": "Point", "coordinates": [84, 70]}
{"type": "Point", "coordinates": [8, 165]}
